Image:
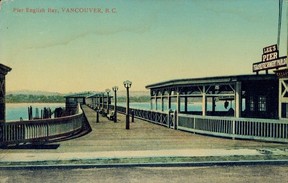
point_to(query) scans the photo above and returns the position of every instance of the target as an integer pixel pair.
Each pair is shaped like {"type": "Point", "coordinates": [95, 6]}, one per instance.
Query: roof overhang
{"type": "Point", "coordinates": [4, 69]}
{"type": "Point", "coordinates": [211, 80]}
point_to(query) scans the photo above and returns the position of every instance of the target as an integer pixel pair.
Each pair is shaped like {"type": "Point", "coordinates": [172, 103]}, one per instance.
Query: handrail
{"type": "Point", "coordinates": [41, 130]}
{"type": "Point", "coordinates": [243, 128]}
{"type": "Point", "coordinates": [272, 130]}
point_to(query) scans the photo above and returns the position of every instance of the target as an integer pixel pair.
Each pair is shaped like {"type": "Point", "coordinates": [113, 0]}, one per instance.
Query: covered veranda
{"type": "Point", "coordinates": [98, 100]}
{"type": "Point", "coordinates": [251, 96]}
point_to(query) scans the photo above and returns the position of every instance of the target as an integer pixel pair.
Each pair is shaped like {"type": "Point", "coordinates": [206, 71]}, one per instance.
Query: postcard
{"type": "Point", "coordinates": [106, 87]}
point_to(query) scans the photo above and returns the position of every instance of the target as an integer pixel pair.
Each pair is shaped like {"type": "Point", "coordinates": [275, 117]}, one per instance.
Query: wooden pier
{"type": "Point", "coordinates": [144, 136]}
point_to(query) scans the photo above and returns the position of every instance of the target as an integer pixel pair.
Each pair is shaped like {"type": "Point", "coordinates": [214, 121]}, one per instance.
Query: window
{"type": "Point", "coordinates": [251, 104]}
{"type": "Point", "coordinates": [262, 103]}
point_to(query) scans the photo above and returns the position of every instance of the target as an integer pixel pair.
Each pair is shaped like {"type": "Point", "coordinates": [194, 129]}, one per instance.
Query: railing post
{"type": "Point", "coordinates": [194, 124]}
{"type": "Point", "coordinates": [132, 115]}
{"type": "Point", "coordinates": [233, 129]}
{"type": "Point", "coordinates": [168, 118]}
{"type": "Point", "coordinates": [175, 120]}
{"type": "Point", "coordinates": [97, 116]}
{"type": "Point", "coordinates": [1, 133]}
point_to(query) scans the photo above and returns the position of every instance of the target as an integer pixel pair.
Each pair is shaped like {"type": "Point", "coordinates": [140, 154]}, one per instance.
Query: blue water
{"type": "Point", "coordinates": [191, 106]}
{"type": "Point", "coordinates": [136, 105]}
{"type": "Point", "coordinates": [15, 111]}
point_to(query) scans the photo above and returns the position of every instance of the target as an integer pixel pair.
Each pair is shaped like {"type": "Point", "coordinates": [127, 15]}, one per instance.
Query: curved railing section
{"type": "Point", "coordinates": [43, 131]}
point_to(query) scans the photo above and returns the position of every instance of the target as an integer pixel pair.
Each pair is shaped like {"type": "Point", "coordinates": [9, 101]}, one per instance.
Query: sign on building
{"type": "Point", "coordinates": [270, 59]}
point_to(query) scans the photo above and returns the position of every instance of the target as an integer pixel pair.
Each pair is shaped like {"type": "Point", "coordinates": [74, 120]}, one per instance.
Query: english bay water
{"type": "Point", "coordinates": [191, 106]}
{"type": "Point", "coordinates": [15, 111]}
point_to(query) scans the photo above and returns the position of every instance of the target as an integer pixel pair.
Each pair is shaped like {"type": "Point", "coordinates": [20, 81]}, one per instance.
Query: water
{"type": "Point", "coordinates": [15, 111]}
{"type": "Point", "coordinates": [136, 105]}
{"type": "Point", "coordinates": [197, 106]}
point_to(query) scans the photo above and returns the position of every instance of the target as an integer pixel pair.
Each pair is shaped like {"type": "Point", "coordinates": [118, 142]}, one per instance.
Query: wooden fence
{"type": "Point", "coordinates": [241, 128]}
{"type": "Point", "coordinates": [42, 131]}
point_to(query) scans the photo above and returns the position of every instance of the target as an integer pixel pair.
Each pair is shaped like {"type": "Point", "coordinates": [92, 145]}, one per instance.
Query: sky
{"type": "Point", "coordinates": [92, 45]}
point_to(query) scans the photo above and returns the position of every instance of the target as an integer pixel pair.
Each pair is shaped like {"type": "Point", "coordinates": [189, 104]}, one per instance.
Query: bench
{"type": "Point", "coordinates": [111, 115]}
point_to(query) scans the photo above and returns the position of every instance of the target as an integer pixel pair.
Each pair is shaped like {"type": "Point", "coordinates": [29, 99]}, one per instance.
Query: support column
{"type": "Point", "coordinates": [238, 100]}
{"type": "Point", "coordinates": [2, 98]}
{"type": "Point", "coordinates": [102, 101]}
{"type": "Point", "coordinates": [178, 102]}
{"type": "Point", "coordinates": [280, 99]}
{"type": "Point", "coordinates": [213, 103]}
{"type": "Point", "coordinates": [186, 105]}
{"type": "Point", "coordinates": [204, 102]}
{"type": "Point", "coordinates": [156, 103]}
{"type": "Point", "coordinates": [162, 102]}
{"type": "Point", "coordinates": [151, 103]}
{"type": "Point", "coordinates": [169, 101]}
{"type": "Point", "coordinates": [3, 71]}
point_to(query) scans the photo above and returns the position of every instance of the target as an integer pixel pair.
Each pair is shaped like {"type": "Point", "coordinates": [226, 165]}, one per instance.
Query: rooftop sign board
{"type": "Point", "coordinates": [270, 59]}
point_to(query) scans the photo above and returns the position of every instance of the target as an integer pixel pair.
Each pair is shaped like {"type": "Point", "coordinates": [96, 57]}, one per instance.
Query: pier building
{"type": "Point", "coordinates": [72, 100]}
{"type": "Point", "coordinates": [100, 100]}
{"type": "Point", "coordinates": [253, 106]}
{"type": "Point", "coordinates": [3, 72]}
{"type": "Point", "coordinates": [253, 96]}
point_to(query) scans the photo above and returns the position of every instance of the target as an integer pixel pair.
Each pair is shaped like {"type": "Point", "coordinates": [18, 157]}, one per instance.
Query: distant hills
{"type": "Point", "coordinates": [134, 93]}
{"type": "Point", "coordinates": [45, 93]}
{"type": "Point", "coordinates": [27, 96]}
{"type": "Point", "coordinates": [30, 92]}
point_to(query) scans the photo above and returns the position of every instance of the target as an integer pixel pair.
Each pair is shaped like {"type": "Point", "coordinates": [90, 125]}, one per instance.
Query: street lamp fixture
{"type": "Point", "coordinates": [127, 85]}
{"type": "Point", "coordinates": [107, 91]}
{"type": "Point", "coordinates": [115, 88]}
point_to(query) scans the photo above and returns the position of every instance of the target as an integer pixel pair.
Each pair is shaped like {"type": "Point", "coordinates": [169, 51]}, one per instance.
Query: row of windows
{"type": "Point", "coordinates": [262, 103]}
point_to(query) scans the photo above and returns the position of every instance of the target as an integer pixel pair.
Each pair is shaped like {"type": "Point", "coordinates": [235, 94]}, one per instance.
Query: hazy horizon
{"type": "Point", "coordinates": [38, 92]}
{"type": "Point", "coordinates": [92, 45]}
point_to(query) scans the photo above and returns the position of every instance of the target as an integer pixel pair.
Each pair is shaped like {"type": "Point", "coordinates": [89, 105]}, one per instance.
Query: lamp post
{"type": "Point", "coordinates": [107, 91]}
{"type": "Point", "coordinates": [115, 88]}
{"type": "Point", "coordinates": [127, 85]}
{"type": "Point", "coordinates": [102, 102]}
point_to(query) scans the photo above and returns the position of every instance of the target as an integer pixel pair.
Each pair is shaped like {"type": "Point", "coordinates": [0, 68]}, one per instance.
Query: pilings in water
{"type": "Point", "coordinates": [45, 113]}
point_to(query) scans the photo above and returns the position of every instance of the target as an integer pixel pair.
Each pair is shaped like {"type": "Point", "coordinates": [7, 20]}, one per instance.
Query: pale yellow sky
{"type": "Point", "coordinates": [142, 41]}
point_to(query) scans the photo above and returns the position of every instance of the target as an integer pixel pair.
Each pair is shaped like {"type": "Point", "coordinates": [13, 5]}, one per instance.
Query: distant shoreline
{"type": "Point", "coordinates": [32, 98]}
{"type": "Point", "coordinates": [35, 103]}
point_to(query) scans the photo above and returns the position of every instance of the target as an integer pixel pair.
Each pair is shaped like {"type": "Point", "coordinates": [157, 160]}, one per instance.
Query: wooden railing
{"type": "Point", "coordinates": [158, 117]}
{"type": "Point", "coordinates": [241, 128]}
{"type": "Point", "coordinates": [272, 130]}
{"type": "Point", "coordinates": [41, 131]}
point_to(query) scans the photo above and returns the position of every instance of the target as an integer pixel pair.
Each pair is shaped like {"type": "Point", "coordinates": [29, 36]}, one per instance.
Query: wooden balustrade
{"type": "Point", "coordinates": [41, 130]}
{"type": "Point", "coordinates": [231, 127]}
{"type": "Point", "coordinates": [242, 128]}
